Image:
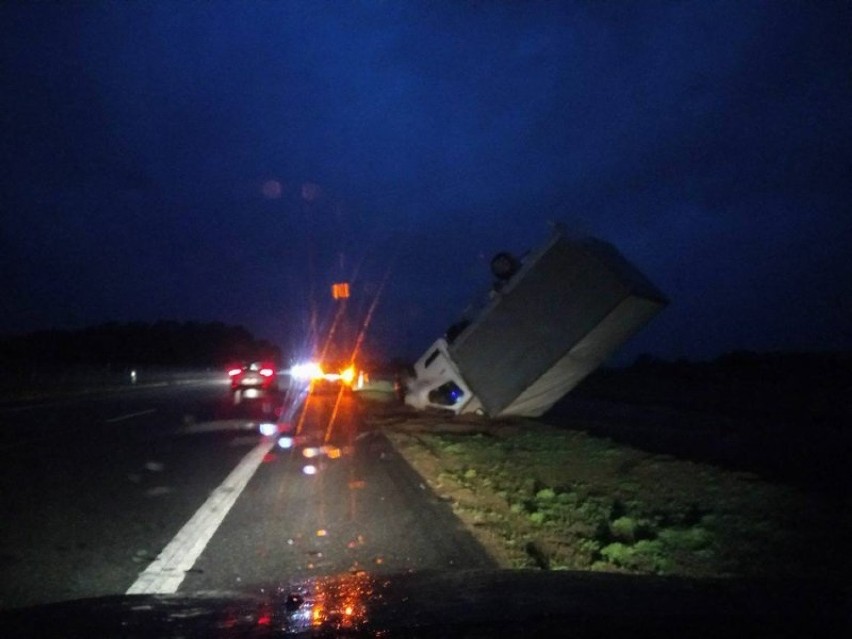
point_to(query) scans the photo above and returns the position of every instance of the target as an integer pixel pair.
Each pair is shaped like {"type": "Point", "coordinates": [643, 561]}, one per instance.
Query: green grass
{"type": "Point", "coordinates": [590, 504]}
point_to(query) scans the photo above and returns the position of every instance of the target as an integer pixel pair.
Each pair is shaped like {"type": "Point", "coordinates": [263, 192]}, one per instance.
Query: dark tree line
{"type": "Point", "coordinates": [795, 387]}
{"type": "Point", "coordinates": [138, 344]}
{"type": "Point", "coordinates": [823, 370]}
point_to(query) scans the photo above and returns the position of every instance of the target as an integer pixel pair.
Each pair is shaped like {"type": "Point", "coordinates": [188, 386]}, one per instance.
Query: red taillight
{"type": "Point", "coordinates": [235, 371]}
{"type": "Point", "coordinates": [267, 372]}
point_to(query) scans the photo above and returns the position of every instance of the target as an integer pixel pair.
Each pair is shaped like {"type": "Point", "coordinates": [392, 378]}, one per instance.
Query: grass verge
{"type": "Point", "coordinates": [537, 496]}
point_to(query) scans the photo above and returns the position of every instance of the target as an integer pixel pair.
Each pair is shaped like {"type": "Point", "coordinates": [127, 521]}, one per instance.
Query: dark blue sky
{"type": "Point", "coordinates": [221, 161]}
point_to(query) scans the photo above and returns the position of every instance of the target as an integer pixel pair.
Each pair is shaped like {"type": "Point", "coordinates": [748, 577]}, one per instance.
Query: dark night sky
{"type": "Point", "coordinates": [224, 161]}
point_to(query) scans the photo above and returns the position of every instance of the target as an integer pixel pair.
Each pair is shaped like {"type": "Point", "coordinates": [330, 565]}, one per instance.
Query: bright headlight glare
{"type": "Point", "coordinates": [306, 370]}
{"type": "Point", "coordinates": [348, 376]}
{"type": "Point", "coordinates": [285, 442]}
{"type": "Point", "coordinates": [268, 429]}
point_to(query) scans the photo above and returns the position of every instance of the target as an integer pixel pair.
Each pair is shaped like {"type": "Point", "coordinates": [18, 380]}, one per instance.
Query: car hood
{"type": "Point", "coordinates": [456, 604]}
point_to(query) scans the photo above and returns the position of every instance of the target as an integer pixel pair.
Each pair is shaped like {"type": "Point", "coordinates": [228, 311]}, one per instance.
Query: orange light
{"type": "Point", "coordinates": [340, 290]}
{"type": "Point", "coordinates": [348, 376]}
{"type": "Point", "coordinates": [339, 602]}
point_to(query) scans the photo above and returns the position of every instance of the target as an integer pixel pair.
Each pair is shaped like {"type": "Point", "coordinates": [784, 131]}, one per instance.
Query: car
{"type": "Point", "coordinates": [328, 376]}
{"type": "Point", "coordinates": [256, 375]}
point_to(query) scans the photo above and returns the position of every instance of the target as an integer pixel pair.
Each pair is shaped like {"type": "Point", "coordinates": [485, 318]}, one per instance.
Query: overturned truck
{"type": "Point", "coordinates": [551, 319]}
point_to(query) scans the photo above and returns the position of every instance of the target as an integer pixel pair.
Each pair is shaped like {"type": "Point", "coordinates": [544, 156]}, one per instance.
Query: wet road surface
{"type": "Point", "coordinates": [94, 489]}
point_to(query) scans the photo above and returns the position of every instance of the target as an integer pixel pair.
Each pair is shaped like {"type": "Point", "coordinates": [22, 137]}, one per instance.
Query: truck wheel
{"type": "Point", "coordinates": [504, 265]}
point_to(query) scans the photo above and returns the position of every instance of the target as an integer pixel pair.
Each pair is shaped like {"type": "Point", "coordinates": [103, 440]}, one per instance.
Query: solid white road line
{"type": "Point", "coordinates": [121, 418]}
{"type": "Point", "coordinates": [166, 573]}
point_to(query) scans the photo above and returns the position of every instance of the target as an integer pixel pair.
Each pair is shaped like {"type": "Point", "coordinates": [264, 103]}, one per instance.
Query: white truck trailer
{"type": "Point", "coordinates": [551, 319]}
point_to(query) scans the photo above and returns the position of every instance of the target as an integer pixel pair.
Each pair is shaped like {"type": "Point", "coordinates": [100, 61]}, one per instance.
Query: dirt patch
{"type": "Point", "coordinates": [537, 496]}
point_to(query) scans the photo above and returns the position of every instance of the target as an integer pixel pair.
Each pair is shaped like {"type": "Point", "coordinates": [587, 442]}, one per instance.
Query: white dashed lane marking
{"type": "Point", "coordinates": [121, 418]}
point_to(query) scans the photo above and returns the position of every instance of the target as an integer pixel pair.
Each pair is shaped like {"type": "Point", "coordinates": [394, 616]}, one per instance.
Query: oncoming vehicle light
{"type": "Point", "coordinates": [268, 429]}
{"type": "Point", "coordinates": [285, 442]}
{"type": "Point", "coordinates": [307, 370]}
{"type": "Point", "coordinates": [310, 452]}
{"type": "Point", "coordinates": [310, 469]}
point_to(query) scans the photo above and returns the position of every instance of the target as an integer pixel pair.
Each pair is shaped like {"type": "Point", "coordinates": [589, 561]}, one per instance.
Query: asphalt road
{"type": "Point", "coordinates": [102, 494]}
